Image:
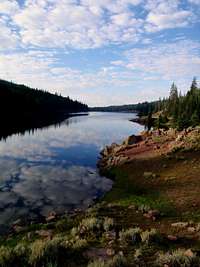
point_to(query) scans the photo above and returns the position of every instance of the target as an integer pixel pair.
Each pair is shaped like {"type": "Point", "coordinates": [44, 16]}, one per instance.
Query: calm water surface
{"type": "Point", "coordinates": [54, 169]}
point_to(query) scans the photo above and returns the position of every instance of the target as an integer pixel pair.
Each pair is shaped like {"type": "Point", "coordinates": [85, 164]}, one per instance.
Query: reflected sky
{"type": "Point", "coordinates": [54, 169]}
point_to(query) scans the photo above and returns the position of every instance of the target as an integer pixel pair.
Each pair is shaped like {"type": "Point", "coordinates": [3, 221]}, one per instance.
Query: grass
{"type": "Point", "coordinates": [126, 192]}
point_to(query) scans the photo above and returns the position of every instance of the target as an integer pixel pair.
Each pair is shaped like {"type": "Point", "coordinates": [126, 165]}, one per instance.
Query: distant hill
{"type": "Point", "coordinates": [141, 108]}
{"type": "Point", "coordinates": [24, 108]}
{"type": "Point", "coordinates": [22, 100]}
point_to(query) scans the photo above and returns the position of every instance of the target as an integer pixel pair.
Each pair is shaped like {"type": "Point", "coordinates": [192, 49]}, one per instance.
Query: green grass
{"type": "Point", "coordinates": [126, 192]}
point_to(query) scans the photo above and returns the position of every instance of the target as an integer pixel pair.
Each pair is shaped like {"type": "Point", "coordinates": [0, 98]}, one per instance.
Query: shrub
{"type": "Point", "coordinates": [90, 223]}
{"type": "Point", "coordinates": [149, 236]}
{"type": "Point", "coordinates": [108, 224]}
{"type": "Point", "coordinates": [6, 256]}
{"type": "Point", "coordinates": [98, 263]}
{"type": "Point", "coordinates": [37, 251]}
{"type": "Point", "coordinates": [179, 258]}
{"type": "Point", "coordinates": [117, 261]}
{"type": "Point", "coordinates": [79, 243]}
{"type": "Point", "coordinates": [131, 235]}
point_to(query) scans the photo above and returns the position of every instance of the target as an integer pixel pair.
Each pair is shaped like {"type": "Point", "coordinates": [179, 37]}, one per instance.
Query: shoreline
{"type": "Point", "coordinates": [151, 210]}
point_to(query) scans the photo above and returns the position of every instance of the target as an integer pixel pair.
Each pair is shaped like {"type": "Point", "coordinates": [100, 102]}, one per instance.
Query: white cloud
{"type": "Point", "coordinates": [9, 7]}
{"type": "Point", "coordinates": [8, 38]}
{"type": "Point", "coordinates": [158, 22]}
{"type": "Point", "coordinates": [166, 15]}
{"type": "Point", "coordinates": [90, 23]}
{"type": "Point", "coordinates": [196, 2]}
{"type": "Point", "coordinates": [170, 61]}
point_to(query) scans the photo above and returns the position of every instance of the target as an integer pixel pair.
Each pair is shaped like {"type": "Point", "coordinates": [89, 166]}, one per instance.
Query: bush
{"type": "Point", "coordinates": [179, 258]}
{"type": "Point", "coordinates": [131, 235]}
{"type": "Point", "coordinates": [37, 252]}
{"type": "Point", "coordinates": [117, 261]}
{"type": "Point", "coordinates": [108, 224]}
{"type": "Point", "coordinates": [6, 256]}
{"type": "Point", "coordinates": [150, 236]}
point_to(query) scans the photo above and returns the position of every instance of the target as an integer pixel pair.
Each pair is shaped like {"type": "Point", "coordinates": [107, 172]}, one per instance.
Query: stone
{"type": "Point", "coordinates": [148, 175]}
{"type": "Point", "coordinates": [18, 229]}
{"type": "Point", "coordinates": [131, 140]}
{"type": "Point", "coordinates": [17, 222]}
{"type": "Point", "coordinates": [191, 229]}
{"type": "Point", "coordinates": [172, 237]}
{"type": "Point", "coordinates": [180, 224]}
{"type": "Point", "coordinates": [132, 207]}
{"type": "Point", "coordinates": [110, 252]}
{"type": "Point", "coordinates": [189, 253]}
{"type": "Point", "coordinates": [51, 217]}
{"type": "Point", "coordinates": [121, 253]}
{"type": "Point", "coordinates": [44, 233]}
{"type": "Point", "coordinates": [110, 243]}
{"type": "Point", "coordinates": [172, 178]}
{"type": "Point", "coordinates": [147, 215]}
{"type": "Point", "coordinates": [154, 213]}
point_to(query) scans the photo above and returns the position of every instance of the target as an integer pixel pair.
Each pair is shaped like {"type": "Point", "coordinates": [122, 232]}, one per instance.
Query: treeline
{"type": "Point", "coordinates": [23, 108]}
{"type": "Point", "coordinates": [178, 111]}
{"type": "Point", "coordinates": [140, 108]}
{"type": "Point", "coordinates": [20, 100]}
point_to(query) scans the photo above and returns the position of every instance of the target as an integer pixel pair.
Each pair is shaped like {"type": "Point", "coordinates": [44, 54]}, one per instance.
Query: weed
{"type": "Point", "coordinates": [132, 235]}
{"type": "Point", "coordinates": [178, 258]}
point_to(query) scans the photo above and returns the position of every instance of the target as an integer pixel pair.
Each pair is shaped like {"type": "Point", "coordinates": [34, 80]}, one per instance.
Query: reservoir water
{"type": "Point", "coordinates": [54, 168]}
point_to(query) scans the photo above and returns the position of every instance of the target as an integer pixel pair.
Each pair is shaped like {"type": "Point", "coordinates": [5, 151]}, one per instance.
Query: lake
{"type": "Point", "coordinates": [54, 168]}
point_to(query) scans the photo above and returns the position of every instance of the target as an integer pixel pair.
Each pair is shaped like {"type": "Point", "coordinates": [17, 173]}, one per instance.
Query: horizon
{"type": "Point", "coordinates": [110, 53]}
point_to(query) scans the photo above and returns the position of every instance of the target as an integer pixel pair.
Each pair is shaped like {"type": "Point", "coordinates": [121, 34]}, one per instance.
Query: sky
{"type": "Point", "coordinates": [101, 52]}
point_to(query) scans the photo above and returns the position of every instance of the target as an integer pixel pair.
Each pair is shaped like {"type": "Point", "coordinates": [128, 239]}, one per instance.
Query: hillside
{"type": "Point", "coordinates": [141, 108]}
{"type": "Point", "coordinates": [23, 108]}
{"type": "Point", "coordinates": [20, 100]}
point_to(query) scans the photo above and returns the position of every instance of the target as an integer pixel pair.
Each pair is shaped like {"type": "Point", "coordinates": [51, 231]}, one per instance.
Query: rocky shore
{"type": "Point", "coordinates": [148, 144]}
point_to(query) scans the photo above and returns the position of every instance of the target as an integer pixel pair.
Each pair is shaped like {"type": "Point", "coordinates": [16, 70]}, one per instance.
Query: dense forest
{"type": "Point", "coordinates": [178, 111]}
{"type": "Point", "coordinates": [24, 108]}
{"type": "Point", "coordinates": [21, 99]}
{"type": "Point", "coordinates": [141, 108]}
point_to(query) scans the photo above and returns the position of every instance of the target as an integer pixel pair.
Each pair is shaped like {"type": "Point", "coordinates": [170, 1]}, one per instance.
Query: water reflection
{"type": "Point", "coordinates": [55, 168]}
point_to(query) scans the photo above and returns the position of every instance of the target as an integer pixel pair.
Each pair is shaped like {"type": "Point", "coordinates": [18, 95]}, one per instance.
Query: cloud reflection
{"type": "Point", "coordinates": [55, 168]}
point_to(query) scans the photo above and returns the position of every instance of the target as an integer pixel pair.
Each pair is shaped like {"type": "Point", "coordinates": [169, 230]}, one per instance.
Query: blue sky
{"type": "Point", "coordinates": [101, 51]}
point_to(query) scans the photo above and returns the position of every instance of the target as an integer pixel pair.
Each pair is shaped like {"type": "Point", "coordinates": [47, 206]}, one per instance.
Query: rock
{"type": "Point", "coordinates": [172, 178]}
{"type": "Point", "coordinates": [154, 213]}
{"type": "Point", "coordinates": [111, 235]}
{"type": "Point", "coordinates": [110, 243]}
{"type": "Point", "coordinates": [189, 253]}
{"type": "Point", "coordinates": [44, 233]}
{"type": "Point", "coordinates": [147, 215]}
{"type": "Point", "coordinates": [110, 252]}
{"type": "Point", "coordinates": [17, 222]}
{"type": "Point", "coordinates": [131, 140]}
{"type": "Point", "coordinates": [172, 237]}
{"type": "Point", "coordinates": [122, 160]}
{"type": "Point", "coordinates": [18, 229]}
{"type": "Point", "coordinates": [179, 137]}
{"type": "Point", "coordinates": [29, 235]}
{"type": "Point", "coordinates": [121, 253]}
{"type": "Point", "coordinates": [191, 229]}
{"type": "Point", "coordinates": [132, 207]}
{"type": "Point", "coordinates": [106, 151]}
{"type": "Point", "coordinates": [117, 149]}
{"type": "Point", "coordinates": [148, 175]}
{"type": "Point", "coordinates": [51, 217]}
{"type": "Point", "coordinates": [180, 224]}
